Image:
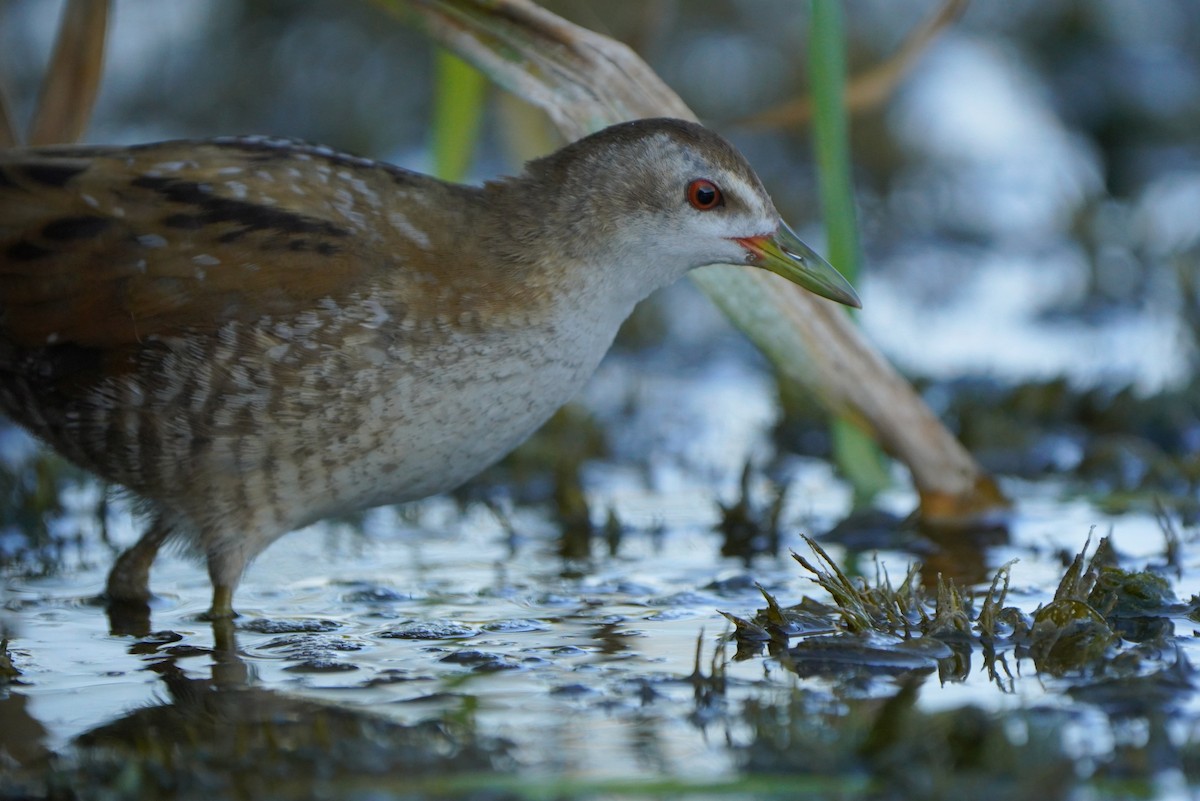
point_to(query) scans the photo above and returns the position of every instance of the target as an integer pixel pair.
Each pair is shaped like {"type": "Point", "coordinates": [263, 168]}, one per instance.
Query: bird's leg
{"type": "Point", "coordinates": [129, 578]}
{"type": "Point", "coordinates": [128, 587]}
{"type": "Point", "coordinates": [225, 568]}
{"type": "Point", "coordinates": [222, 603]}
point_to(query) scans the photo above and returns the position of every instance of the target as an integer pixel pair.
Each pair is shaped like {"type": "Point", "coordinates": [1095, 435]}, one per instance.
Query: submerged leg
{"type": "Point", "coordinates": [129, 578]}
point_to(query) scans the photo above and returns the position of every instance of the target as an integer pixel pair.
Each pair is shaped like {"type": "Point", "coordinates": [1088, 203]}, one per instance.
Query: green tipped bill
{"type": "Point", "coordinates": [784, 254]}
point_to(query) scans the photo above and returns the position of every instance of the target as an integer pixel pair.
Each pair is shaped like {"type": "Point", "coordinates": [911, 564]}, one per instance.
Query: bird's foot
{"type": "Point", "coordinates": [222, 605]}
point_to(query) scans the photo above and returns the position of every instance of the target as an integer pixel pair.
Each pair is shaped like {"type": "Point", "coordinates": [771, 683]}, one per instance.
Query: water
{"type": "Point", "coordinates": [412, 615]}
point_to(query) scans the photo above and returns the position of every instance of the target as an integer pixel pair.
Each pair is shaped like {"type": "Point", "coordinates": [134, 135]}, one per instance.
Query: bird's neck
{"type": "Point", "coordinates": [543, 248]}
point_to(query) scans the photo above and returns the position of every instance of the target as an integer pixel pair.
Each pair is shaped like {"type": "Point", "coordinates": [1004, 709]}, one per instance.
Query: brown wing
{"type": "Point", "coordinates": [104, 247]}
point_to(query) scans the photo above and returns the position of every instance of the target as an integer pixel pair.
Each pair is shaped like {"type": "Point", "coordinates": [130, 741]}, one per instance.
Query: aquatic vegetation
{"type": "Point", "coordinates": [1105, 638]}
{"type": "Point", "coordinates": [879, 626]}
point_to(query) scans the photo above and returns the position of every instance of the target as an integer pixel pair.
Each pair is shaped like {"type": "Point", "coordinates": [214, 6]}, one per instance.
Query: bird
{"type": "Point", "coordinates": [251, 334]}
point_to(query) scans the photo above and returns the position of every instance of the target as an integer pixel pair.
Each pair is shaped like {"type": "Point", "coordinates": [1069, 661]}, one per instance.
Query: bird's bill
{"type": "Point", "coordinates": [784, 254]}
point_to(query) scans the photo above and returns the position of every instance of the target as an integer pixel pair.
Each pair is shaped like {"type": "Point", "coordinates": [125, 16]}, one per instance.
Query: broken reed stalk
{"type": "Point", "coordinates": [73, 78]}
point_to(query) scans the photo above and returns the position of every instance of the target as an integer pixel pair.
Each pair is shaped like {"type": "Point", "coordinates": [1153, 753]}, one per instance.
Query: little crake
{"type": "Point", "coordinates": [253, 334]}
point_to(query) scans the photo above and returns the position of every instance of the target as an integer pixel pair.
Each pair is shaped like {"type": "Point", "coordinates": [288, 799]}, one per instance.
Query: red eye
{"type": "Point", "coordinates": [704, 195]}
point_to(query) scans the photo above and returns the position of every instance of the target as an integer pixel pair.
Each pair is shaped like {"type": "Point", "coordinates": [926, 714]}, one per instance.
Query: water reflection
{"type": "Point", "coordinates": [22, 737]}
{"type": "Point", "coordinates": [222, 738]}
